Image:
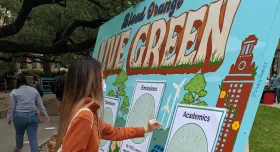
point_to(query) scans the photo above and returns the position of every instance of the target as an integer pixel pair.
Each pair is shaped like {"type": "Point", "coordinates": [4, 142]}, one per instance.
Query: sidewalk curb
{"type": "Point", "coordinates": [3, 113]}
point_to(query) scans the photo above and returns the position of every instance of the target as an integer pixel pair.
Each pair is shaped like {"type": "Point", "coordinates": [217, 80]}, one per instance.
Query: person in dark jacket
{"type": "Point", "coordinates": [38, 86]}
{"type": "Point", "coordinates": [58, 86]}
{"type": "Point", "coordinates": [275, 85]}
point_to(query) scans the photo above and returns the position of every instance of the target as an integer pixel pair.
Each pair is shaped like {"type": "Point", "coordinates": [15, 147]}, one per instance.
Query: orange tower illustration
{"type": "Point", "coordinates": [235, 92]}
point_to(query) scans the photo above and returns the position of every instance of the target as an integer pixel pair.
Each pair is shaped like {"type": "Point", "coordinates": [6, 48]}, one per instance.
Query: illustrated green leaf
{"type": "Point", "coordinates": [122, 87]}
{"type": "Point", "coordinates": [111, 93]}
{"type": "Point", "coordinates": [183, 102]}
{"type": "Point", "coordinates": [126, 111]}
{"type": "Point", "coordinates": [122, 93]}
{"type": "Point", "coordinates": [125, 101]}
{"type": "Point", "coordinates": [220, 86]}
{"type": "Point", "coordinates": [236, 113]}
{"type": "Point", "coordinates": [230, 107]}
{"type": "Point", "coordinates": [121, 78]}
{"type": "Point", "coordinates": [117, 149]}
{"type": "Point", "coordinates": [189, 98]}
{"type": "Point", "coordinates": [201, 103]}
{"type": "Point", "coordinates": [196, 84]}
{"type": "Point", "coordinates": [254, 73]}
{"type": "Point", "coordinates": [122, 108]}
{"type": "Point", "coordinates": [234, 139]}
{"type": "Point", "coordinates": [202, 93]}
{"type": "Point", "coordinates": [226, 99]}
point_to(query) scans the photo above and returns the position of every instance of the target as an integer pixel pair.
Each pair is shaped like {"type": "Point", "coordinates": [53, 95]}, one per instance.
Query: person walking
{"type": "Point", "coordinates": [3, 82]}
{"type": "Point", "coordinates": [81, 125]}
{"type": "Point", "coordinates": [22, 112]}
{"type": "Point", "coordinates": [38, 86]}
{"type": "Point", "coordinates": [275, 84]}
{"type": "Point", "coordinates": [58, 87]}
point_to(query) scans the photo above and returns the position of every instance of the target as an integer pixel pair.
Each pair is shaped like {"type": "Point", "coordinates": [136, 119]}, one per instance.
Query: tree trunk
{"type": "Point", "coordinates": [47, 69]}
{"type": "Point", "coordinates": [122, 115]}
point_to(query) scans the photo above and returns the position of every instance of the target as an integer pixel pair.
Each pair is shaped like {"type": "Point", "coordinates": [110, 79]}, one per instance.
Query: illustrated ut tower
{"type": "Point", "coordinates": [235, 93]}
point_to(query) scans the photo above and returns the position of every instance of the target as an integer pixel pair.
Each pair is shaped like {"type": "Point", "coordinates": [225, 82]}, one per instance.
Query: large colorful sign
{"type": "Point", "coordinates": [214, 53]}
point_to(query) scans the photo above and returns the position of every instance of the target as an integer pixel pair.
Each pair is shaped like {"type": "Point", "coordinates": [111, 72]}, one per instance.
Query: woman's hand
{"type": "Point", "coordinates": [152, 125]}
{"type": "Point", "coordinates": [47, 119]}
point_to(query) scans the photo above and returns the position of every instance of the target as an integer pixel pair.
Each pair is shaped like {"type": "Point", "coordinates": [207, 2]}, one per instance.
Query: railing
{"type": "Point", "coordinates": [47, 82]}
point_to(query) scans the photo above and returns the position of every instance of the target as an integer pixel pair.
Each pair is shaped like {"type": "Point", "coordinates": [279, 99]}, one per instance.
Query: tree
{"type": "Point", "coordinates": [120, 92]}
{"type": "Point", "coordinates": [7, 68]}
{"type": "Point", "coordinates": [124, 107]}
{"type": "Point", "coordinates": [120, 84]}
{"type": "Point", "coordinates": [52, 28]}
{"type": "Point", "coordinates": [196, 91]}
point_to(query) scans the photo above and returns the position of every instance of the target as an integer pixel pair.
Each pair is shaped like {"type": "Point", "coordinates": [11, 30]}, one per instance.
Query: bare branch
{"type": "Point", "coordinates": [99, 4]}
{"type": "Point", "coordinates": [71, 40]}
{"type": "Point", "coordinates": [97, 12]}
{"type": "Point", "coordinates": [75, 24]}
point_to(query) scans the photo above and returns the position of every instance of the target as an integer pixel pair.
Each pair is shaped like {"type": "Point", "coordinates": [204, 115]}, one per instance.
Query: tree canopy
{"type": "Point", "coordinates": [53, 27]}
{"type": "Point", "coordinates": [195, 91]}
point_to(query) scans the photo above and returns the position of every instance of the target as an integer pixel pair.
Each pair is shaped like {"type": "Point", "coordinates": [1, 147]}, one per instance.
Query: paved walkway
{"type": "Point", "coordinates": [276, 105]}
{"type": "Point", "coordinates": [7, 138]}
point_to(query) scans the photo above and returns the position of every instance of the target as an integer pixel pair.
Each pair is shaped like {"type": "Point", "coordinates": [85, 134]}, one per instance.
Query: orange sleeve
{"type": "Point", "coordinates": [118, 134]}
{"type": "Point", "coordinates": [77, 137]}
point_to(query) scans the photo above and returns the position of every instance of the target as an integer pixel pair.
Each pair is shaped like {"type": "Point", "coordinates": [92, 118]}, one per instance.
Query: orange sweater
{"type": "Point", "coordinates": [81, 138]}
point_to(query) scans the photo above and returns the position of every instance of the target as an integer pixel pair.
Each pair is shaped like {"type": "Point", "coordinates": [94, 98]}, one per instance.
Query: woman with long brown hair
{"type": "Point", "coordinates": [81, 113]}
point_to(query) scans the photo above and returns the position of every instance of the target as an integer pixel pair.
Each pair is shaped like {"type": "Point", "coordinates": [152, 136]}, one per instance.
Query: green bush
{"type": "Point", "coordinates": [54, 74]}
{"type": "Point", "coordinates": [39, 73]}
{"type": "Point", "coordinates": [34, 72]}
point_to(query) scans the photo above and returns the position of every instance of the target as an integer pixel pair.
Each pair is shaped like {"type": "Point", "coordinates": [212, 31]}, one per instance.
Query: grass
{"type": "Point", "coordinates": [189, 63]}
{"type": "Point", "coordinates": [139, 68]}
{"type": "Point", "coordinates": [265, 134]}
{"type": "Point", "coordinates": [154, 67]}
{"type": "Point", "coordinates": [216, 60]}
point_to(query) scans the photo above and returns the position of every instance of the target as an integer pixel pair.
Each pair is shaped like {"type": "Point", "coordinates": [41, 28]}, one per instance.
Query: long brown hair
{"type": "Point", "coordinates": [21, 80]}
{"type": "Point", "coordinates": [84, 79]}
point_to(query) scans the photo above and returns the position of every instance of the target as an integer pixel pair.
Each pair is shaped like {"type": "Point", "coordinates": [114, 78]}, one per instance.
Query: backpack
{"type": "Point", "coordinates": [52, 87]}
{"type": "Point", "coordinates": [39, 89]}
{"type": "Point", "coordinates": [59, 84]}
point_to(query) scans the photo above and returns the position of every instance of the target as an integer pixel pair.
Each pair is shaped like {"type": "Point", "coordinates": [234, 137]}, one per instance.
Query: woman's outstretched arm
{"type": "Point", "coordinates": [118, 134]}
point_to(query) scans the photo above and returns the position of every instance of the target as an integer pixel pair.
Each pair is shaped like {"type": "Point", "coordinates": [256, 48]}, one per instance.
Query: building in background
{"type": "Point", "coordinates": [29, 65]}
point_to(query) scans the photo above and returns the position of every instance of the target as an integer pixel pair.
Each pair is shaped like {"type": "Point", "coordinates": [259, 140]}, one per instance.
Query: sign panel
{"type": "Point", "coordinates": [213, 53]}
{"type": "Point", "coordinates": [195, 129]}
{"type": "Point", "coordinates": [110, 114]}
{"type": "Point", "coordinates": [144, 107]}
